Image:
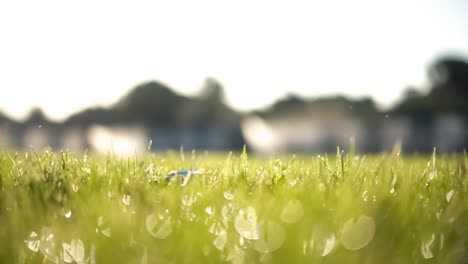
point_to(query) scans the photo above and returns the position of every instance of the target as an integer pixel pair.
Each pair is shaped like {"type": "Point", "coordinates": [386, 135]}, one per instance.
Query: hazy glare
{"type": "Point", "coordinates": [63, 56]}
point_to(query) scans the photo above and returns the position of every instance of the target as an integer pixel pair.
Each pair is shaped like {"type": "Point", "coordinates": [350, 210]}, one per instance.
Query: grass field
{"type": "Point", "coordinates": [60, 207]}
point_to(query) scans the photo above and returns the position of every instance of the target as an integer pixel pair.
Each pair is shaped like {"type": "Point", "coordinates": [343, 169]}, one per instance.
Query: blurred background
{"type": "Point", "coordinates": [277, 76]}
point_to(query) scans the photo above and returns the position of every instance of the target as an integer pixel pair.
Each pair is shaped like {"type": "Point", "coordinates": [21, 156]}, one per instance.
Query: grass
{"type": "Point", "coordinates": [63, 207]}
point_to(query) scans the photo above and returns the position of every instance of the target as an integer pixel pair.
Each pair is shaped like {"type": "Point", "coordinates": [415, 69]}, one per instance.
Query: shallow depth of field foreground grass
{"type": "Point", "coordinates": [69, 208]}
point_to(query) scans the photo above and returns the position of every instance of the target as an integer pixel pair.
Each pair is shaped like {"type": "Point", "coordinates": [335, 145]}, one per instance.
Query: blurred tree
{"type": "Point", "coordinates": [290, 100]}
{"type": "Point", "coordinates": [151, 103]}
{"type": "Point", "coordinates": [212, 91]}
{"type": "Point", "coordinates": [412, 93]}
{"type": "Point", "coordinates": [449, 85]}
{"type": "Point", "coordinates": [4, 118]}
{"type": "Point", "coordinates": [448, 93]}
{"type": "Point", "coordinates": [96, 115]}
{"type": "Point", "coordinates": [37, 116]}
{"type": "Point", "coordinates": [449, 73]}
{"type": "Point", "coordinates": [211, 106]}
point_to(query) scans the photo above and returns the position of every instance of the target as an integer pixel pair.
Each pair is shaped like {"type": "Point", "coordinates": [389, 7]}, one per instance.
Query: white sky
{"type": "Point", "coordinates": [66, 55]}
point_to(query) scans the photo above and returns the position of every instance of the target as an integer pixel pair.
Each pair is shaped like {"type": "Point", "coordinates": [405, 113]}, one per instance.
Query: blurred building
{"type": "Point", "coordinates": [316, 135]}
{"type": "Point", "coordinates": [153, 112]}
{"type": "Point", "coordinates": [149, 113]}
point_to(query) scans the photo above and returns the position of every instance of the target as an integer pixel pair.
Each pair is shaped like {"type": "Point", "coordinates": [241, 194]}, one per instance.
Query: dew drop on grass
{"type": "Point", "coordinates": [216, 228]}
{"type": "Point", "coordinates": [357, 234]}
{"type": "Point", "coordinates": [293, 212]}
{"type": "Point", "coordinates": [65, 254]}
{"type": "Point", "coordinates": [126, 199]}
{"type": "Point", "coordinates": [241, 241]}
{"type": "Point", "coordinates": [92, 254]}
{"type": "Point", "coordinates": [432, 175]}
{"type": "Point", "coordinates": [220, 240]}
{"type": "Point", "coordinates": [442, 239]}
{"type": "Point", "coordinates": [438, 214]}
{"type": "Point", "coordinates": [426, 248]}
{"type": "Point", "coordinates": [304, 247]}
{"type": "Point", "coordinates": [150, 169]}
{"type": "Point", "coordinates": [236, 255]}
{"type": "Point", "coordinates": [32, 242]}
{"type": "Point", "coordinates": [209, 210]}
{"type": "Point", "coordinates": [188, 200]}
{"type": "Point", "coordinates": [165, 230]}
{"type": "Point", "coordinates": [392, 190]}
{"type": "Point", "coordinates": [86, 170]}
{"type": "Point", "coordinates": [364, 196]}
{"type": "Point", "coordinates": [226, 212]}
{"type": "Point", "coordinates": [272, 237]}
{"type": "Point", "coordinates": [293, 183]}
{"type": "Point", "coordinates": [144, 258]}
{"type": "Point", "coordinates": [103, 227]}
{"type": "Point", "coordinates": [75, 187]}
{"type": "Point", "coordinates": [158, 226]}
{"type": "Point", "coordinates": [228, 195]}
{"type": "Point", "coordinates": [106, 232]}
{"type": "Point", "coordinates": [449, 195]}
{"type": "Point", "coordinates": [68, 214]}
{"type": "Point", "coordinates": [191, 216]}
{"type": "Point", "coordinates": [329, 245]}
{"type": "Point", "coordinates": [47, 245]}
{"type": "Point", "coordinates": [77, 250]}
{"type": "Point", "coordinates": [206, 250]}
{"type": "Point", "coordinates": [246, 223]}
{"type": "Point", "coordinates": [266, 258]}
